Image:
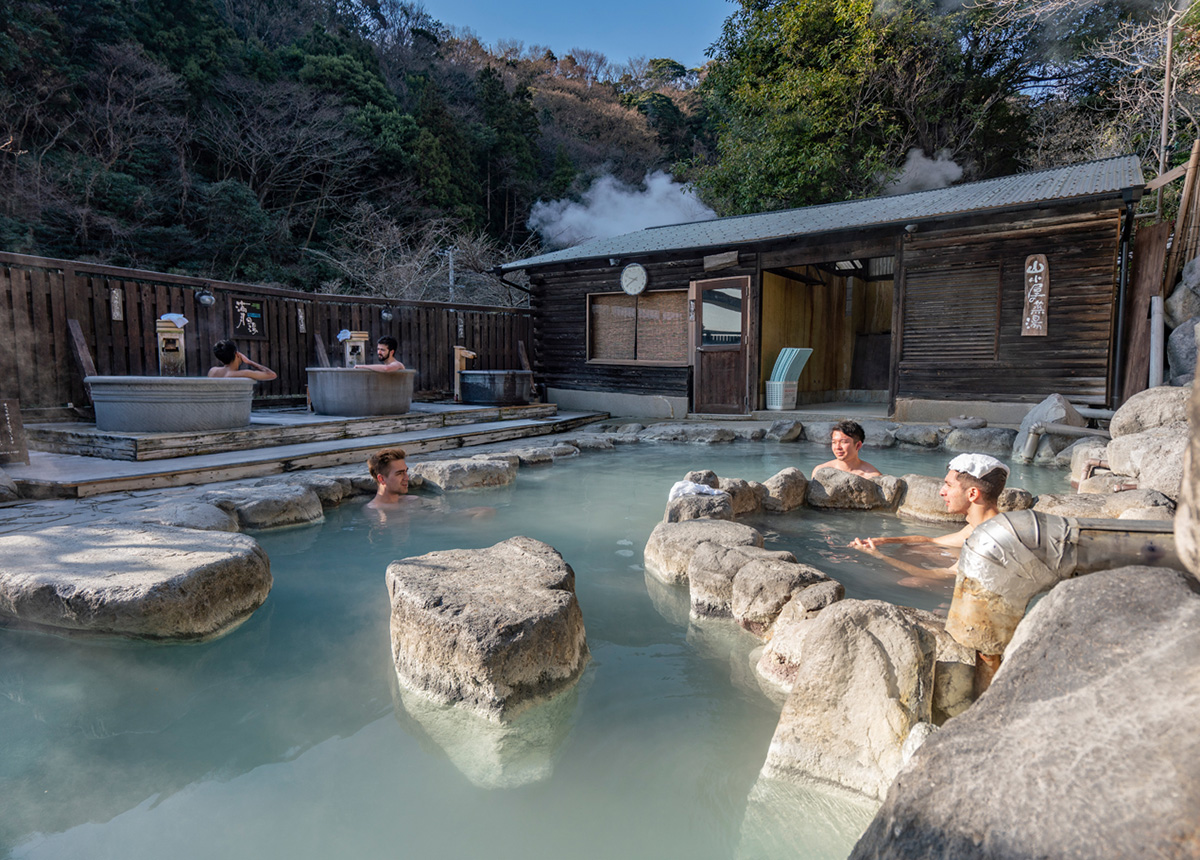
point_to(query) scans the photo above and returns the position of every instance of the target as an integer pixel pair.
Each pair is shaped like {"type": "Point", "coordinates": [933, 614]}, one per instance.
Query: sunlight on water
{"type": "Point", "coordinates": [290, 737]}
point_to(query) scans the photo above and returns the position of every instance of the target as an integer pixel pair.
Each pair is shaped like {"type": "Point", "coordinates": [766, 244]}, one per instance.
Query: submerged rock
{"type": "Point", "coordinates": [269, 507]}
{"type": "Point", "coordinates": [1085, 745]}
{"type": "Point", "coordinates": [490, 630]}
{"type": "Point", "coordinates": [152, 582]}
{"type": "Point", "coordinates": [864, 682]}
{"type": "Point", "coordinates": [445, 475]}
{"type": "Point", "coordinates": [670, 548]}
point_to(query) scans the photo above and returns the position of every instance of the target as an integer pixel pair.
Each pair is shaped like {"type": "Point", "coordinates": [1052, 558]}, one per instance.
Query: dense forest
{"type": "Point", "coordinates": [348, 145]}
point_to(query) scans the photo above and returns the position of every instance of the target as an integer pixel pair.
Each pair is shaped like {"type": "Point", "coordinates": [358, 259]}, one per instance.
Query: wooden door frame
{"type": "Point", "coordinates": [695, 318]}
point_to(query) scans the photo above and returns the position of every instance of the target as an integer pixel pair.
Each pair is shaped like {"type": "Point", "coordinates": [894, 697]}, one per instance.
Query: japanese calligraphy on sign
{"type": "Point", "coordinates": [246, 318]}
{"type": "Point", "coordinates": [1037, 296]}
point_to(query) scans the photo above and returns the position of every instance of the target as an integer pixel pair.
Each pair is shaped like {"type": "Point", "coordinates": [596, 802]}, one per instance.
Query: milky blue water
{"type": "Point", "coordinates": [289, 737]}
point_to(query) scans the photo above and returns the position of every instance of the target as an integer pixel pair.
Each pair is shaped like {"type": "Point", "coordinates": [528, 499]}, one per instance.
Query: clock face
{"type": "Point", "coordinates": [633, 278]}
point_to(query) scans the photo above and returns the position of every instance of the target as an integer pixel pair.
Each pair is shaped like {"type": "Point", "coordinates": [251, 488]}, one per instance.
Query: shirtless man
{"type": "Point", "coordinates": [846, 441]}
{"type": "Point", "coordinates": [226, 352]}
{"type": "Point", "coordinates": [385, 351]}
{"type": "Point", "coordinates": [972, 486]}
{"type": "Point", "coordinates": [390, 472]}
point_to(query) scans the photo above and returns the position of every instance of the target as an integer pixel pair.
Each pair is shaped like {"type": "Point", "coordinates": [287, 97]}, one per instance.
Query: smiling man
{"type": "Point", "coordinates": [846, 441]}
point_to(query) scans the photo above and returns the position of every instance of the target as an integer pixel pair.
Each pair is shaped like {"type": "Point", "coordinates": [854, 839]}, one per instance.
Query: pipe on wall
{"type": "Point", "coordinates": [1013, 557]}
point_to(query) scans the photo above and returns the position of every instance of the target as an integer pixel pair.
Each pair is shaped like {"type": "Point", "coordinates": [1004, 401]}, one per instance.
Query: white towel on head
{"type": "Point", "coordinates": [976, 465]}
{"type": "Point", "coordinates": [690, 488]}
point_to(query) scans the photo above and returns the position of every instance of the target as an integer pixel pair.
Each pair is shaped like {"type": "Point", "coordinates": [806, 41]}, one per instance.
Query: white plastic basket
{"type": "Point", "coordinates": [781, 396]}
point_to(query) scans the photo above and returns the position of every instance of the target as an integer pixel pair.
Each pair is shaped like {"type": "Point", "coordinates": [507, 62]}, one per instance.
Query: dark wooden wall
{"type": "Point", "coordinates": [951, 269]}
{"type": "Point", "coordinates": [559, 305]}
{"type": "Point", "coordinates": [38, 296]}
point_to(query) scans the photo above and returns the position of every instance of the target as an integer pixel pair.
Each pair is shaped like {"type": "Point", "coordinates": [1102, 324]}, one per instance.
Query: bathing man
{"type": "Point", "coordinates": [226, 352]}
{"type": "Point", "coordinates": [972, 486]}
{"type": "Point", "coordinates": [390, 472]}
{"type": "Point", "coordinates": [385, 351]}
{"type": "Point", "coordinates": [846, 441]}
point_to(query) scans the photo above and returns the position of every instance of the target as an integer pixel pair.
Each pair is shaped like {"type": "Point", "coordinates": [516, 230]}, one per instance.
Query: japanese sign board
{"type": "Point", "coordinates": [1037, 296]}
{"type": "Point", "coordinates": [13, 448]}
{"type": "Point", "coordinates": [246, 319]}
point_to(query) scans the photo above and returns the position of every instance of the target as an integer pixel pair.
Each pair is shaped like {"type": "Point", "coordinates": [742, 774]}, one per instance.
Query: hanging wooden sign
{"type": "Point", "coordinates": [1037, 296]}
{"type": "Point", "coordinates": [246, 318]}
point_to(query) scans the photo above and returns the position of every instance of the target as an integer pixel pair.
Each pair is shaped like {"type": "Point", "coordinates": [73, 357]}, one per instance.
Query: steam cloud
{"type": "Point", "coordinates": [921, 173]}
{"type": "Point", "coordinates": [610, 207]}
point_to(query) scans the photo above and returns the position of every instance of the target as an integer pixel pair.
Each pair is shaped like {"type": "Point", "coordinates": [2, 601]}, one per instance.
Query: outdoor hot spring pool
{"type": "Point", "coordinates": [288, 739]}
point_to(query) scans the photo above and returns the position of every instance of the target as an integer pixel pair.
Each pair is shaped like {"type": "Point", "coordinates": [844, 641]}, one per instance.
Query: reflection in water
{"type": "Point", "coordinates": [492, 755]}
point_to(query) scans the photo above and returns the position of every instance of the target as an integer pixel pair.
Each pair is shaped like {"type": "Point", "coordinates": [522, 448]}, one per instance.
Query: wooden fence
{"type": "Point", "coordinates": [117, 310]}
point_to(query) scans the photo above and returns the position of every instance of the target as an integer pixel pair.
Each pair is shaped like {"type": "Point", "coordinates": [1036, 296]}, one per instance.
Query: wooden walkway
{"type": "Point", "coordinates": [73, 476]}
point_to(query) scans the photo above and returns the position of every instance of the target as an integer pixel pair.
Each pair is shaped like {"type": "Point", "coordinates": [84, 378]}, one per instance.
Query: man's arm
{"type": "Point", "coordinates": [257, 371]}
{"type": "Point", "coordinates": [382, 368]}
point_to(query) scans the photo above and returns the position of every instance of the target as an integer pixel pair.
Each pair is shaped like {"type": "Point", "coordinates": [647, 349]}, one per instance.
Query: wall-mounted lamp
{"type": "Point", "coordinates": [206, 298]}
{"type": "Point", "coordinates": [911, 228]}
{"type": "Point", "coordinates": [612, 261]}
{"type": "Point", "coordinates": [386, 314]}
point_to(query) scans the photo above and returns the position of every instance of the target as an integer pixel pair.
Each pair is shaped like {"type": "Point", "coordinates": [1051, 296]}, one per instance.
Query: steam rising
{"type": "Point", "coordinates": [610, 208]}
{"type": "Point", "coordinates": [921, 173]}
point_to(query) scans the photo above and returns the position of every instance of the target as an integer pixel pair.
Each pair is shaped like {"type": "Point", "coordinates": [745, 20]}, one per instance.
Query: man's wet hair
{"type": "Point", "coordinates": [990, 486]}
{"type": "Point", "coordinates": [852, 429]}
{"type": "Point", "coordinates": [225, 351]}
{"type": "Point", "coordinates": [389, 341]}
{"type": "Point", "coordinates": [378, 462]}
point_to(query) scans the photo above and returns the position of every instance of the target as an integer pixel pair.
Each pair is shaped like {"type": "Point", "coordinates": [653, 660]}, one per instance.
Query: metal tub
{"type": "Point", "coordinates": [354, 393]}
{"type": "Point", "coordinates": [162, 404]}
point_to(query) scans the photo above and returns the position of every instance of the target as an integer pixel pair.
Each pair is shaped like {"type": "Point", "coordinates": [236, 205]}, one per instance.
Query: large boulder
{"type": "Point", "coordinates": [919, 435]}
{"type": "Point", "coordinates": [268, 507]}
{"type": "Point", "coordinates": [1085, 745]}
{"type": "Point", "coordinates": [185, 514]}
{"type": "Point", "coordinates": [711, 571]}
{"type": "Point", "coordinates": [747, 497]}
{"type": "Point", "coordinates": [670, 547]}
{"type": "Point", "coordinates": [921, 500]}
{"type": "Point", "coordinates": [864, 683]}
{"type": "Point", "coordinates": [787, 490]}
{"type": "Point", "coordinates": [1055, 409]}
{"type": "Point", "coordinates": [1187, 517]}
{"type": "Point", "coordinates": [1161, 406]}
{"type": "Point", "coordinates": [1153, 457]}
{"type": "Point", "coordinates": [1181, 353]}
{"type": "Point", "coordinates": [491, 630]}
{"type": "Point", "coordinates": [997, 441]}
{"type": "Point", "coordinates": [151, 582]}
{"type": "Point", "coordinates": [698, 506]}
{"type": "Point", "coordinates": [1184, 301]}
{"type": "Point", "coordinates": [764, 586]}
{"type": "Point", "coordinates": [786, 431]}
{"type": "Point", "coordinates": [699, 433]}
{"type": "Point", "coordinates": [468, 473]}
{"type": "Point", "coordinates": [331, 490]}
{"type": "Point", "coordinates": [833, 488]}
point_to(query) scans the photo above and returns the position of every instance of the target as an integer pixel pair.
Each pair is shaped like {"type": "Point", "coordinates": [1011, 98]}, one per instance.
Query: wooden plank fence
{"type": "Point", "coordinates": [117, 309]}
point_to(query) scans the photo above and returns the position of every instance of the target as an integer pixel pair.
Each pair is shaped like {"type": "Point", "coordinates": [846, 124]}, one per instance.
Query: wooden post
{"type": "Point", "coordinates": [1189, 187]}
{"type": "Point", "coordinates": [83, 356]}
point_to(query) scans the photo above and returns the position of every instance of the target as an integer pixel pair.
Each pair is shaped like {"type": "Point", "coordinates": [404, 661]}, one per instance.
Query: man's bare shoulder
{"type": "Point", "coordinates": [832, 464]}
{"type": "Point", "coordinates": [955, 540]}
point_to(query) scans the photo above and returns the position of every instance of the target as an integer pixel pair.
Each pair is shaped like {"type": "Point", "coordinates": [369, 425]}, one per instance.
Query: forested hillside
{"type": "Point", "coordinates": [348, 144]}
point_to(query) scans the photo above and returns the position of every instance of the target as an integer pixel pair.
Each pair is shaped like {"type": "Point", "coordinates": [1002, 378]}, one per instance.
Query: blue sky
{"type": "Point", "coordinates": [620, 29]}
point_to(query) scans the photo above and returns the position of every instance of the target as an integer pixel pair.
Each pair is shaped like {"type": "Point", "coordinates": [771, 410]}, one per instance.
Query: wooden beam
{"type": "Point", "coordinates": [1166, 178]}
{"type": "Point", "coordinates": [1185, 205]}
{"type": "Point", "coordinates": [83, 355]}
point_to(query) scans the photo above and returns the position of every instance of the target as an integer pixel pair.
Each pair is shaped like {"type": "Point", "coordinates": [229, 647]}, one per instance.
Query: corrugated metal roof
{"type": "Point", "coordinates": [1094, 178]}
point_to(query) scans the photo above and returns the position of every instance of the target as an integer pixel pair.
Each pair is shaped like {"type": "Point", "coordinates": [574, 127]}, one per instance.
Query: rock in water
{"type": "Point", "coordinates": [832, 488]}
{"type": "Point", "coordinates": [491, 630]}
{"type": "Point", "coordinates": [445, 475]}
{"type": "Point", "coordinates": [865, 681]}
{"type": "Point", "coordinates": [151, 582]}
{"type": "Point", "coordinates": [670, 548]}
{"type": "Point", "coordinates": [1085, 745]}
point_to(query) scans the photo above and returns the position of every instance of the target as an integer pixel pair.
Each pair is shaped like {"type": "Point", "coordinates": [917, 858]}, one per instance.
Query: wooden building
{"type": "Point", "coordinates": [919, 297]}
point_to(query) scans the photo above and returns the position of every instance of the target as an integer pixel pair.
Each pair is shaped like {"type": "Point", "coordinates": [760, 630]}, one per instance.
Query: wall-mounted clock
{"type": "Point", "coordinates": [634, 278]}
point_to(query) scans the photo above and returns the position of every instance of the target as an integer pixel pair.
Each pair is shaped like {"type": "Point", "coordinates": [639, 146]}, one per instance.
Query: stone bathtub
{"type": "Point", "coordinates": [161, 404]}
{"type": "Point", "coordinates": [355, 393]}
{"type": "Point", "coordinates": [496, 387]}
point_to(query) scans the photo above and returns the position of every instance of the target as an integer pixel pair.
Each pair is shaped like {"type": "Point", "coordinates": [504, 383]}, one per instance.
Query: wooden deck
{"type": "Point", "coordinates": [51, 475]}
